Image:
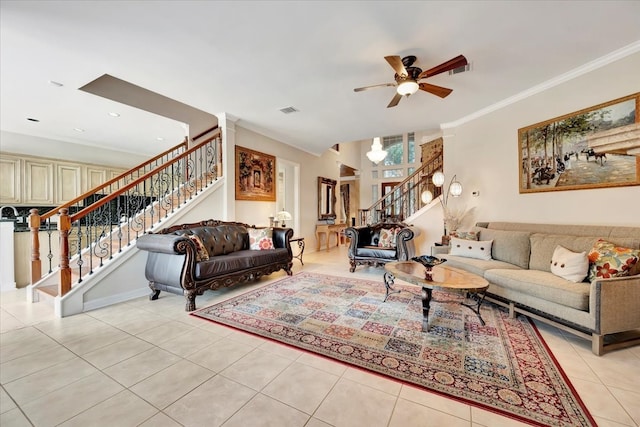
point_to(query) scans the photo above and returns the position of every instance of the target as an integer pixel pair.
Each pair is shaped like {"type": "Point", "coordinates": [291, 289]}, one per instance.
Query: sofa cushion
{"type": "Point", "coordinates": [477, 266]}
{"type": "Point", "coordinates": [609, 260]}
{"type": "Point", "coordinates": [268, 257]}
{"type": "Point", "coordinates": [569, 265]}
{"type": "Point", "coordinates": [543, 246]}
{"type": "Point", "coordinates": [376, 252]}
{"type": "Point", "coordinates": [220, 239]}
{"type": "Point", "coordinates": [508, 246]}
{"type": "Point", "coordinates": [223, 264]}
{"type": "Point", "coordinates": [471, 248]}
{"type": "Point", "coordinates": [543, 285]}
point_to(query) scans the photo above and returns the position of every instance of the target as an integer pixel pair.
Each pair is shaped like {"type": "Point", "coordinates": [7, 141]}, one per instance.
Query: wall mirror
{"type": "Point", "coordinates": [326, 198]}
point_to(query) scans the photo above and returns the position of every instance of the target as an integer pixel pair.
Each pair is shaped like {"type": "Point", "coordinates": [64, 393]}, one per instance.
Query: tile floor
{"type": "Point", "coordinates": [148, 363]}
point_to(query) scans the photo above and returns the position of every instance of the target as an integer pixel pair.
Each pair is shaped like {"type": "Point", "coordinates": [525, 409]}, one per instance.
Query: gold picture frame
{"type": "Point", "coordinates": [591, 148]}
{"type": "Point", "coordinates": [255, 175]}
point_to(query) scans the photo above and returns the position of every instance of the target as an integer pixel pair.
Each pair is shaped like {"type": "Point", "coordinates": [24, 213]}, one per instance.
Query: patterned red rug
{"type": "Point", "coordinates": [504, 366]}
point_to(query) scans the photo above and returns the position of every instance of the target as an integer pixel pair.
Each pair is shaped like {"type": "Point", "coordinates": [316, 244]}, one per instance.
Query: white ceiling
{"type": "Point", "coordinates": [250, 59]}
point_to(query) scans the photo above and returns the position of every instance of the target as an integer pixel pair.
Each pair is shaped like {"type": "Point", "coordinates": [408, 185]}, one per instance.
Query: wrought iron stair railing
{"type": "Point", "coordinates": [404, 199]}
{"type": "Point", "coordinates": [98, 224]}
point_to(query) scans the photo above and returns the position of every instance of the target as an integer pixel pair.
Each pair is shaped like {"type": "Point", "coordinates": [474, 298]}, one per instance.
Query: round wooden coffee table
{"type": "Point", "coordinates": [440, 277]}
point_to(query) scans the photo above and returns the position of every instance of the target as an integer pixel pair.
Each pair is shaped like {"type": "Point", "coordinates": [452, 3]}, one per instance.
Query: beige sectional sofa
{"type": "Point", "coordinates": [607, 311]}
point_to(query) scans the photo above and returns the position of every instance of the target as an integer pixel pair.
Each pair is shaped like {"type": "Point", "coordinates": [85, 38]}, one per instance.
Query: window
{"type": "Point", "coordinates": [392, 173]}
{"type": "Point", "coordinates": [410, 171]}
{"type": "Point", "coordinates": [374, 192]}
{"type": "Point", "coordinates": [374, 174]}
{"type": "Point", "coordinates": [395, 150]}
{"type": "Point", "coordinates": [411, 147]}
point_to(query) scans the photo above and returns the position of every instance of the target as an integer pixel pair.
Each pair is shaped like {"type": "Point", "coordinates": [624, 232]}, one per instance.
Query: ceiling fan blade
{"type": "Point", "coordinates": [360, 89]}
{"type": "Point", "coordinates": [396, 63]}
{"type": "Point", "coordinates": [440, 91]}
{"type": "Point", "coordinates": [396, 98]}
{"type": "Point", "coordinates": [457, 62]}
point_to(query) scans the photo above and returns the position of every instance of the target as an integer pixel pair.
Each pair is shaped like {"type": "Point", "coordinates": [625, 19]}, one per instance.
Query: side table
{"type": "Point", "coordinates": [300, 241]}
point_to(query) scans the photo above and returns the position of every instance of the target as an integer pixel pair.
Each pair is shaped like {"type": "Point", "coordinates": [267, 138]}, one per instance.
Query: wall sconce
{"type": "Point", "coordinates": [283, 216]}
{"type": "Point", "coordinates": [377, 154]}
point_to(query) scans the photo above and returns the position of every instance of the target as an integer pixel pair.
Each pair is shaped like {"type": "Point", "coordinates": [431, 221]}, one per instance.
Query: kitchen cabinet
{"type": "Point", "coordinates": [10, 181]}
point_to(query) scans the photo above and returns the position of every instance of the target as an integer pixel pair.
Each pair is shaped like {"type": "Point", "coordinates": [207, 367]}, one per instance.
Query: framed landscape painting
{"type": "Point", "coordinates": [255, 175]}
{"type": "Point", "coordinates": [591, 148]}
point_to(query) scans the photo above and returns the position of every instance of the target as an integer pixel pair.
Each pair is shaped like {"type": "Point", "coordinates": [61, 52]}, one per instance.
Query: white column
{"type": "Point", "coordinates": [7, 270]}
{"type": "Point", "coordinates": [227, 123]}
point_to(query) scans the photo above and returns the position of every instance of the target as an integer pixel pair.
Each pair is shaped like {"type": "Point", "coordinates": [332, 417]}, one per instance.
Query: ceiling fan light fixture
{"type": "Point", "coordinates": [407, 87]}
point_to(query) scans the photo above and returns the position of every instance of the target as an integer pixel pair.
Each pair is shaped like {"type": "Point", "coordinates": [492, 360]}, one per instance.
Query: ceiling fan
{"type": "Point", "coordinates": [407, 76]}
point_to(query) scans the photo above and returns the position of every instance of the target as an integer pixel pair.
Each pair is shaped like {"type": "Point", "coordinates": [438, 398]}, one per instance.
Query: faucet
{"type": "Point", "coordinates": [15, 211]}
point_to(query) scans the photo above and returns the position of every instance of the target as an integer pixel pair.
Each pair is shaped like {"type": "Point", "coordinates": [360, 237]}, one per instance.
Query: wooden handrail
{"type": "Point", "coordinates": [94, 190]}
{"type": "Point", "coordinates": [201, 134]}
{"type": "Point", "coordinates": [65, 221]}
{"type": "Point", "coordinates": [103, 201]}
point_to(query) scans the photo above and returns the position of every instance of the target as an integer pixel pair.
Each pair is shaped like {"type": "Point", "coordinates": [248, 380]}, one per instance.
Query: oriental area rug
{"type": "Point", "coordinates": [503, 366]}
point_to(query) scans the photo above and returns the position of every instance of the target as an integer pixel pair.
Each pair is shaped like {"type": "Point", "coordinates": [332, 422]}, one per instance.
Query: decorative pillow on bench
{"type": "Point", "coordinates": [465, 235]}
{"type": "Point", "coordinates": [260, 239]}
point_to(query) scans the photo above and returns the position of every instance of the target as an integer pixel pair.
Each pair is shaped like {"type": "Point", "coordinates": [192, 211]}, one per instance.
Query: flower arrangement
{"type": "Point", "coordinates": [453, 217]}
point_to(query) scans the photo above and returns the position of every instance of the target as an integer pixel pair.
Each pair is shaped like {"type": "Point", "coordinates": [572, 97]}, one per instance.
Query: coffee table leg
{"type": "Point", "coordinates": [476, 307]}
{"type": "Point", "coordinates": [388, 283]}
{"type": "Point", "coordinates": [426, 304]}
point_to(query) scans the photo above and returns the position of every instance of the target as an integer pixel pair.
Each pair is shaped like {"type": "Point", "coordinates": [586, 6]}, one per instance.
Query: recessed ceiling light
{"type": "Point", "coordinates": [78, 130]}
{"type": "Point", "coordinates": [32, 119]}
{"type": "Point", "coordinates": [160, 138]}
{"type": "Point", "coordinates": [53, 82]}
{"type": "Point", "coordinates": [114, 114]}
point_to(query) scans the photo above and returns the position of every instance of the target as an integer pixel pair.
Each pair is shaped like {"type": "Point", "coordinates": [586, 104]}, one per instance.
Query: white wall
{"type": "Point", "coordinates": [311, 167]}
{"type": "Point", "coordinates": [484, 155]}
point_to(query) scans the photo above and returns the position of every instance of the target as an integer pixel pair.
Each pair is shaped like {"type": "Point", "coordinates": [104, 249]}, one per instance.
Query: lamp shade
{"type": "Point", "coordinates": [377, 154]}
{"type": "Point", "coordinates": [455, 188]}
{"type": "Point", "coordinates": [438, 179]}
{"type": "Point", "coordinates": [407, 87]}
{"type": "Point", "coordinates": [426, 197]}
{"type": "Point", "coordinates": [283, 216]}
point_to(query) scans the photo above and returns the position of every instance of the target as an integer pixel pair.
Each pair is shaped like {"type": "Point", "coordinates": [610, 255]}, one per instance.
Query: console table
{"type": "Point", "coordinates": [328, 230]}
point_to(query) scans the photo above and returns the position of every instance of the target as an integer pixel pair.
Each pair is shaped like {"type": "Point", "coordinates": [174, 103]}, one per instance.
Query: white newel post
{"type": "Point", "coordinates": [7, 271]}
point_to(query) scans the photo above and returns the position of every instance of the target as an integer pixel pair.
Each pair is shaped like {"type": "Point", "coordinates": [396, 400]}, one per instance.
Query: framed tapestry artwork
{"type": "Point", "coordinates": [255, 175]}
{"type": "Point", "coordinates": [591, 148]}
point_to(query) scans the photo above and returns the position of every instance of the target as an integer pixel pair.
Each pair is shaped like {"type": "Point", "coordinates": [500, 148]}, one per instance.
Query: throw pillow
{"type": "Point", "coordinates": [569, 265]}
{"type": "Point", "coordinates": [387, 238]}
{"type": "Point", "coordinates": [260, 239]}
{"type": "Point", "coordinates": [465, 235]}
{"type": "Point", "coordinates": [471, 248]}
{"type": "Point", "coordinates": [201, 251]}
{"type": "Point", "coordinates": [608, 260]}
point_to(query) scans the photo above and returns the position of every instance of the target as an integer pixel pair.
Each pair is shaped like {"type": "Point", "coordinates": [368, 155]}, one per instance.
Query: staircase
{"type": "Point", "coordinates": [96, 231]}
{"type": "Point", "coordinates": [404, 199]}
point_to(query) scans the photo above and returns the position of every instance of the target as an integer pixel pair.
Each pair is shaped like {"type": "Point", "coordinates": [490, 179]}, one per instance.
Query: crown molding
{"type": "Point", "coordinates": [576, 72]}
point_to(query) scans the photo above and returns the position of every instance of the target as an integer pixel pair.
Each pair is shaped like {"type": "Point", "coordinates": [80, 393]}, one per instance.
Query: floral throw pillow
{"type": "Point", "coordinates": [388, 237]}
{"type": "Point", "coordinates": [260, 239]}
{"type": "Point", "coordinates": [465, 235]}
{"type": "Point", "coordinates": [201, 251]}
{"type": "Point", "coordinates": [607, 260]}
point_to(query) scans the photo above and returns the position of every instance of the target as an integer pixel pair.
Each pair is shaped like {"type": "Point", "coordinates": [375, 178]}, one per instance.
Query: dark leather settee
{"type": "Point", "coordinates": [365, 247]}
{"type": "Point", "coordinates": [175, 265]}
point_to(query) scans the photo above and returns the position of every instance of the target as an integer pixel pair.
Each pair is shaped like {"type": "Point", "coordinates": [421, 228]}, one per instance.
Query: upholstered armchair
{"type": "Point", "coordinates": [377, 244]}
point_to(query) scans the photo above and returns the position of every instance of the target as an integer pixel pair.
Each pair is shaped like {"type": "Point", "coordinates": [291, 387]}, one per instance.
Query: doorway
{"type": "Point", "coordinates": [288, 192]}
{"type": "Point", "coordinates": [391, 205]}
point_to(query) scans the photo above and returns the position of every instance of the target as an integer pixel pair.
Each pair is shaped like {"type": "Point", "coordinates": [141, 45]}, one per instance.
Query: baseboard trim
{"type": "Point", "coordinates": [115, 299]}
